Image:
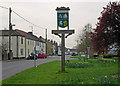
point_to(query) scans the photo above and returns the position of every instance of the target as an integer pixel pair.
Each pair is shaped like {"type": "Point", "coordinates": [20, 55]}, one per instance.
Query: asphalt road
{"type": "Point", "coordinates": [10, 68]}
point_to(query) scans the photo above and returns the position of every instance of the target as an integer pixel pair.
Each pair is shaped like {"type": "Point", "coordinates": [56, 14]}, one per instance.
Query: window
{"type": "Point", "coordinates": [22, 51]}
{"type": "Point", "coordinates": [33, 43]}
{"type": "Point", "coordinates": [28, 42]}
{"type": "Point", "coordinates": [43, 45]}
{"type": "Point", "coordinates": [37, 43]}
{"type": "Point", "coordinates": [21, 40]}
{"type": "Point", "coordinates": [28, 51]}
{"type": "Point", "coordinates": [40, 44]}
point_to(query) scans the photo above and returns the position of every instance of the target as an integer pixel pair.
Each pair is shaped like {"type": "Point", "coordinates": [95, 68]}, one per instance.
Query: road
{"type": "Point", "coordinates": [10, 68]}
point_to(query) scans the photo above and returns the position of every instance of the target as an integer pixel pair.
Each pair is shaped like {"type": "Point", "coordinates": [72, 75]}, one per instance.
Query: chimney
{"type": "Point", "coordinates": [30, 33]}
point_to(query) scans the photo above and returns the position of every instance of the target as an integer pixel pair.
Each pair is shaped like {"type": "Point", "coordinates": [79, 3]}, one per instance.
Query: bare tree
{"type": "Point", "coordinates": [3, 47]}
{"type": "Point", "coordinates": [84, 39]}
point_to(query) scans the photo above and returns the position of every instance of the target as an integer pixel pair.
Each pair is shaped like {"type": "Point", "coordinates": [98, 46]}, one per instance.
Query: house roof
{"type": "Point", "coordinates": [24, 34]}
{"type": "Point", "coordinates": [28, 35]}
{"type": "Point", "coordinates": [17, 32]}
{"type": "Point", "coordinates": [42, 40]}
{"type": "Point", "coordinates": [33, 36]}
{"type": "Point", "coordinates": [6, 33]}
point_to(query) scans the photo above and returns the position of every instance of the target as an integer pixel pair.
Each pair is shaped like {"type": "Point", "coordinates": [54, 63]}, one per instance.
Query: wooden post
{"type": "Point", "coordinates": [10, 29]}
{"type": "Point", "coordinates": [62, 21]}
{"type": "Point", "coordinates": [61, 34]}
{"type": "Point", "coordinates": [63, 52]}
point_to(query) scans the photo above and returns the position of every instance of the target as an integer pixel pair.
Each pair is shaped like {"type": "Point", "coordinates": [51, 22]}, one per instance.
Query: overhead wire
{"type": "Point", "coordinates": [22, 17]}
{"type": "Point", "coordinates": [3, 7]}
{"type": "Point", "coordinates": [27, 20]}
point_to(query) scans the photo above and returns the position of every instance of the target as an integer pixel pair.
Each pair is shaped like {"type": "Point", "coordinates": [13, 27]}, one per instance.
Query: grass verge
{"type": "Point", "coordinates": [50, 73]}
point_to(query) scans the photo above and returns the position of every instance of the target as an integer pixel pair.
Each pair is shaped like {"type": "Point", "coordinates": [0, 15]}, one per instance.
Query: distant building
{"type": "Point", "coordinates": [22, 43]}
{"type": "Point", "coordinates": [17, 43]}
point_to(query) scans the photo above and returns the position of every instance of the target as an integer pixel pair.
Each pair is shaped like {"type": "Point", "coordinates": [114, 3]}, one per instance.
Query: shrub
{"type": "Point", "coordinates": [71, 80]}
{"type": "Point", "coordinates": [78, 65]}
{"type": "Point", "coordinates": [110, 56]}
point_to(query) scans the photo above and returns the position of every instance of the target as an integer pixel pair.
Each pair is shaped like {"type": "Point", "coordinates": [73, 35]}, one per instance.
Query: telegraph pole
{"type": "Point", "coordinates": [10, 29]}
{"type": "Point", "coordinates": [46, 40]}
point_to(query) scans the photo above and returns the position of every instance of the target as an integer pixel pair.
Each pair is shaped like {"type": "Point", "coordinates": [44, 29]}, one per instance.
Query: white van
{"type": "Point", "coordinates": [59, 53]}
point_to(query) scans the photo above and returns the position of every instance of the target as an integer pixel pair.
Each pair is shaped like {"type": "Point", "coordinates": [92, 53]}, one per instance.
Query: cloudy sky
{"type": "Point", "coordinates": [43, 14]}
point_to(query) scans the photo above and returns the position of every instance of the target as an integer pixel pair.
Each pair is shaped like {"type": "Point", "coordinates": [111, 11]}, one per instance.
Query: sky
{"type": "Point", "coordinates": [43, 14]}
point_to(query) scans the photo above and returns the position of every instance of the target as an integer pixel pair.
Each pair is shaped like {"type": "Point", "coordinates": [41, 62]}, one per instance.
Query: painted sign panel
{"type": "Point", "coordinates": [62, 19]}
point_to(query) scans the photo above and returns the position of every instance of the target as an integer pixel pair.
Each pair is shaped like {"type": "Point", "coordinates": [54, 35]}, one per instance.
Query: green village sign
{"type": "Point", "coordinates": [62, 17]}
{"type": "Point", "coordinates": [62, 21]}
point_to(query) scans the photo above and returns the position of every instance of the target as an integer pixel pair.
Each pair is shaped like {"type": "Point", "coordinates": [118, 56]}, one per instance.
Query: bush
{"type": "Point", "coordinates": [110, 56]}
{"type": "Point", "coordinates": [95, 56]}
{"type": "Point", "coordinates": [107, 56]}
{"type": "Point", "coordinates": [78, 65]}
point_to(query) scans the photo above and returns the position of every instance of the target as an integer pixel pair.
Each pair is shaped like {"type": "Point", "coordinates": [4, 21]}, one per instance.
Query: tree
{"type": "Point", "coordinates": [3, 47]}
{"type": "Point", "coordinates": [107, 30]}
{"type": "Point", "coordinates": [85, 40]}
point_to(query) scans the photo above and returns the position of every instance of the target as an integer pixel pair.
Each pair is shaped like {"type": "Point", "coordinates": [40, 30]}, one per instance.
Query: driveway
{"type": "Point", "coordinates": [10, 68]}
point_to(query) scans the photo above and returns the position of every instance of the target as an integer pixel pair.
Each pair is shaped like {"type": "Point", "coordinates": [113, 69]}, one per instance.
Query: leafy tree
{"type": "Point", "coordinates": [107, 31]}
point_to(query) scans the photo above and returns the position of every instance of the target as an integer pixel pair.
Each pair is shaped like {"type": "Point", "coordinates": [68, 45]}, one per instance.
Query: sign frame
{"type": "Point", "coordinates": [62, 17]}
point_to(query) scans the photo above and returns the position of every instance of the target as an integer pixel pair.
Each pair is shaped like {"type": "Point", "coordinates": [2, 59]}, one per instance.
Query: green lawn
{"type": "Point", "coordinates": [49, 73]}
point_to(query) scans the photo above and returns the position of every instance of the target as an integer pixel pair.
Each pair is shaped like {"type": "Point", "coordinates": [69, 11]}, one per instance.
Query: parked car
{"type": "Point", "coordinates": [59, 53]}
{"type": "Point", "coordinates": [66, 53]}
{"type": "Point", "coordinates": [74, 54]}
{"type": "Point", "coordinates": [31, 56]}
{"type": "Point", "coordinates": [42, 55]}
{"type": "Point", "coordinates": [83, 55]}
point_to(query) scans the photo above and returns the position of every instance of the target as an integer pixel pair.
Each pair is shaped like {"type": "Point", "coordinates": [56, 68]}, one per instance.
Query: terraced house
{"type": "Point", "coordinates": [22, 43]}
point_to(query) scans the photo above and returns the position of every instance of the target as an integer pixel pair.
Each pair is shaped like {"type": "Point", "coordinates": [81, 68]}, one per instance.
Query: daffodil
{"type": "Point", "coordinates": [82, 83]}
{"type": "Point", "coordinates": [105, 76]}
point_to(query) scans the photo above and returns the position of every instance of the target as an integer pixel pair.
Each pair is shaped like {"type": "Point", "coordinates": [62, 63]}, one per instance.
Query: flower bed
{"type": "Point", "coordinates": [78, 64]}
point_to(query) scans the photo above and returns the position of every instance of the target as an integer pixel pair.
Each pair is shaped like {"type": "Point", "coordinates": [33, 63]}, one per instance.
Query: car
{"type": "Point", "coordinates": [83, 55]}
{"type": "Point", "coordinates": [42, 55]}
{"type": "Point", "coordinates": [31, 56]}
{"type": "Point", "coordinates": [59, 53]}
{"type": "Point", "coordinates": [73, 54]}
{"type": "Point", "coordinates": [66, 53]}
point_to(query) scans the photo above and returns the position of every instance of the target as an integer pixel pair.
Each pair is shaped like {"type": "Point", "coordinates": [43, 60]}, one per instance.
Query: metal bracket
{"type": "Point", "coordinates": [58, 35]}
{"type": "Point", "coordinates": [58, 32]}
{"type": "Point", "coordinates": [68, 35]}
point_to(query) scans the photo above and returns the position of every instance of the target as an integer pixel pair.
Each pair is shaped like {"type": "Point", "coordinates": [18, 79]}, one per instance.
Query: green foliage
{"type": "Point", "coordinates": [110, 55]}
{"type": "Point", "coordinates": [50, 55]}
{"type": "Point", "coordinates": [78, 65]}
{"type": "Point", "coordinates": [71, 80]}
{"type": "Point", "coordinates": [107, 80]}
{"type": "Point", "coordinates": [107, 60]}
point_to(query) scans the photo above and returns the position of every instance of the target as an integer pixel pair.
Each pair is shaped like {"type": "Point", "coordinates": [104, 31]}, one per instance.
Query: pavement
{"type": "Point", "coordinates": [13, 67]}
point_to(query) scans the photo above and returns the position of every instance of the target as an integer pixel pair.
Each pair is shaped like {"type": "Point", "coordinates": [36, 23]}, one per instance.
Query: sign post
{"type": "Point", "coordinates": [88, 50]}
{"type": "Point", "coordinates": [62, 22]}
{"type": "Point", "coordinates": [35, 56]}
